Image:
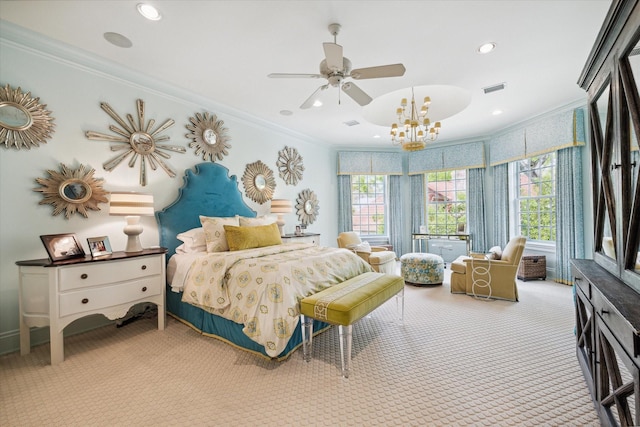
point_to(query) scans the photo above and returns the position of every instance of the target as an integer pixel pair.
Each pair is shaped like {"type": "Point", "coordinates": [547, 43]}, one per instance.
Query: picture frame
{"type": "Point", "coordinates": [298, 230]}
{"type": "Point", "coordinates": [62, 246]}
{"type": "Point", "coordinates": [99, 246]}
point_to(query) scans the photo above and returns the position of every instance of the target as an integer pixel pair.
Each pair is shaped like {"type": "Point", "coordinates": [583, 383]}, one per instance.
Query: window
{"type": "Point", "coordinates": [368, 203]}
{"type": "Point", "coordinates": [537, 197]}
{"type": "Point", "coordinates": [447, 202]}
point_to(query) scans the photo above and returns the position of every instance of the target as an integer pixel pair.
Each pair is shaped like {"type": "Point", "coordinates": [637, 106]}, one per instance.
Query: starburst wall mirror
{"type": "Point", "coordinates": [209, 136]}
{"type": "Point", "coordinates": [138, 139]}
{"type": "Point", "coordinates": [24, 122]}
{"type": "Point", "coordinates": [290, 165]}
{"type": "Point", "coordinates": [72, 190]}
{"type": "Point", "coordinates": [259, 183]}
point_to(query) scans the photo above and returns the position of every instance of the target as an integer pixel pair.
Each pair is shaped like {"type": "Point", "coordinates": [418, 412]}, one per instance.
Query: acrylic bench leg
{"type": "Point", "coordinates": [400, 305]}
{"type": "Point", "coordinates": [345, 349]}
{"type": "Point", "coordinates": [306, 323]}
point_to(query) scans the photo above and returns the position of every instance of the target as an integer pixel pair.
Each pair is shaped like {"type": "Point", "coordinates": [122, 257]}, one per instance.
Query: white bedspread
{"type": "Point", "coordinates": [261, 288]}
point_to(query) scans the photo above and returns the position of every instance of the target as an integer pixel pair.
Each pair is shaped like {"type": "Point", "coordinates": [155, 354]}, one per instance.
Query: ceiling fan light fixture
{"type": "Point", "coordinates": [317, 103]}
{"type": "Point", "coordinates": [149, 12]}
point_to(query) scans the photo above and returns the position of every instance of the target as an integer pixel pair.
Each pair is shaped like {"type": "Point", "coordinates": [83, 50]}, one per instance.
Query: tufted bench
{"type": "Point", "coordinates": [422, 268]}
{"type": "Point", "coordinates": [344, 304]}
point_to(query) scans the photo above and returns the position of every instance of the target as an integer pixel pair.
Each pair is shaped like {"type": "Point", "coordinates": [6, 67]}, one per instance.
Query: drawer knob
{"type": "Point", "coordinates": [144, 267]}
{"type": "Point", "coordinates": [84, 275]}
{"type": "Point", "coordinates": [603, 311]}
{"type": "Point", "coordinates": [144, 289]}
{"type": "Point", "coordinates": [85, 300]}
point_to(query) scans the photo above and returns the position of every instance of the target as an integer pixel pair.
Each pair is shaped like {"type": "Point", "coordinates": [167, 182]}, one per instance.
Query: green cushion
{"type": "Point", "coordinates": [351, 300]}
{"type": "Point", "coordinates": [239, 238]}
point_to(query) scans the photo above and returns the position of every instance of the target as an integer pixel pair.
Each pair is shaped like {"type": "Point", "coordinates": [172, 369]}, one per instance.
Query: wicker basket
{"type": "Point", "coordinates": [533, 267]}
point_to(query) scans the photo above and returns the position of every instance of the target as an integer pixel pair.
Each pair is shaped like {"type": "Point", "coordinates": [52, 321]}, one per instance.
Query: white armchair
{"type": "Point", "coordinates": [380, 258]}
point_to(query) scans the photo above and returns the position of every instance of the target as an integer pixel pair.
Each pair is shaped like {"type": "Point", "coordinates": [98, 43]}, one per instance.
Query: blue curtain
{"type": "Point", "coordinates": [569, 214]}
{"type": "Point", "coordinates": [476, 218]}
{"type": "Point", "coordinates": [396, 231]}
{"type": "Point", "coordinates": [500, 205]}
{"type": "Point", "coordinates": [418, 200]}
{"type": "Point", "coordinates": [345, 220]}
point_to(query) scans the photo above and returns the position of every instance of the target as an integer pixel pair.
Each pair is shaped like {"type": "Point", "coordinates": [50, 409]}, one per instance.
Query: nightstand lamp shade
{"type": "Point", "coordinates": [132, 206]}
{"type": "Point", "coordinates": [280, 207]}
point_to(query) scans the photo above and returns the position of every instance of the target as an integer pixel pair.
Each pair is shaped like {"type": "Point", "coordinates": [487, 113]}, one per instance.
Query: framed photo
{"type": "Point", "coordinates": [298, 230]}
{"type": "Point", "coordinates": [99, 246]}
{"type": "Point", "coordinates": [62, 246]}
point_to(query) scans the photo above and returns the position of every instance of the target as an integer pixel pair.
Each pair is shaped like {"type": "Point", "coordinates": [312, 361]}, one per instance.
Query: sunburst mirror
{"type": "Point", "coordinates": [290, 165]}
{"type": "Point", "coordinates": [138, 139]}
{"type": "Point", "coordinates": [209, 136]}
{"type": "Point", "coordinates": [72, 190]}
{"type": "Point", "coordinates": [259, 183]}
{"type": "Point", "coordinates": [24, 122]}
{"type": "Point", "coordinates": [307, 206]}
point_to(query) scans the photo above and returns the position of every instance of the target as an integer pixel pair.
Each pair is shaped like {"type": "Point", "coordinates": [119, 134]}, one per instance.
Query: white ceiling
{"type": "Point", "coordinates": [224, 50]}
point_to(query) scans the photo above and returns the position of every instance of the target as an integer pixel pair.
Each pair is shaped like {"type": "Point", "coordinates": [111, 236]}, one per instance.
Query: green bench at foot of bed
{"type": "Point", "coordinates": [344, 304]}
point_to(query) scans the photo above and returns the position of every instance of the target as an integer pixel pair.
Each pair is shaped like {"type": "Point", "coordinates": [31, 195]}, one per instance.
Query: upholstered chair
{"type": "Point", "coordinates": [489, 278]}
{"type": "Point", "coordinates": [380, 258]}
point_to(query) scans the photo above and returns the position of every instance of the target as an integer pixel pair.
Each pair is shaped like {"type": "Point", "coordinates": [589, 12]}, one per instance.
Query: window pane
{"type": "Point", "coordinates": [446, 201]}
{"type": "Point", "coordinates": [536, 197]}
{"type": "Point", "coordinates": [368, 199]}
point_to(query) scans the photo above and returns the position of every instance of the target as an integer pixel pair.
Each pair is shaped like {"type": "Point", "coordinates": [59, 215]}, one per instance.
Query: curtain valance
{"type": "Point", "coordinates": [450, 157]}
{"type": "Point", "coordinates": [562, 130]}
{"type": "Point", "coordinates": [369, 163]}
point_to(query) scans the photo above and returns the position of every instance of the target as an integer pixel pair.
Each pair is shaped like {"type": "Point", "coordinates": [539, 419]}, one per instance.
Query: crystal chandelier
{"type": "Point", "coordinates": [417, 129]}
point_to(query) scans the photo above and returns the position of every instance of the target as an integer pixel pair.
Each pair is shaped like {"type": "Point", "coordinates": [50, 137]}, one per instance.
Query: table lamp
{"type": "Point", "coordinates": [280, 207]}
{"type": "Point", "coordinates": [132, 205]}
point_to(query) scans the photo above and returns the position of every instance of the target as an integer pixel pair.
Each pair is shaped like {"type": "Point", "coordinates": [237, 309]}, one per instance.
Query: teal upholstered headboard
{"type": "Point", "coordinates": [209, 191]}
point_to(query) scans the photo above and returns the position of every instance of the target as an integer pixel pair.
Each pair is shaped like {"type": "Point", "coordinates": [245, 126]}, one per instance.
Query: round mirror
{"type": "Point", "coordinates": [14, 116]}
{"type": "Point", "coordinates": [209, 136]}
{"type": "Point", "coordinates": [290, 165]}
{"type": "Point", "coordinates": [308, 207]}
{"type": "Point", "coordinates": [260, 182]}
{"type": "Point", "coordinates": [24, 121]}
{"type": "Point", "coordinates": [75, 191]}
{"type": "Point", "coordinates": [142, 143]}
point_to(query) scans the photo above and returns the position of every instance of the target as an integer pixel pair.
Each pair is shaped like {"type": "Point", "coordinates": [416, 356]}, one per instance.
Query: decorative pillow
{"type": "Point", "coordinates": [252, 222]}
{"type": "Point", "coordinates": [258, 236]}
{"type": "Point", "coordinates": [193, 241]}
{"type": "Point", "coordinates": [360, 247]}
{"type": "Point", "coordinates": [214, 232]}
{"type": "Point", "coordinates": [495, 253]}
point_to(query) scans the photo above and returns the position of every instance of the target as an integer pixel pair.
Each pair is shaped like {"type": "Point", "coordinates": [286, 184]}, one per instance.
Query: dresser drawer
{"type": "Point", "coordinates": [97, 298]}
{"type": "Point", "coordinates": [619, 326]}
{"type": "Point", "coordinates": [99, 273]}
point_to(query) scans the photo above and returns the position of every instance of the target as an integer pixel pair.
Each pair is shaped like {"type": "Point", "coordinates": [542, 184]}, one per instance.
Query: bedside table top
{"type": "Point", "coordinates": [46, 262]}
{"type": "Point", "coordinates": [300, 235]}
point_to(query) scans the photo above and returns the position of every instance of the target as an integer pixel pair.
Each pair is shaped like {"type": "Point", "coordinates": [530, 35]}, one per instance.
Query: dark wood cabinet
{"type": "Point", "coordinates": [607, 287]}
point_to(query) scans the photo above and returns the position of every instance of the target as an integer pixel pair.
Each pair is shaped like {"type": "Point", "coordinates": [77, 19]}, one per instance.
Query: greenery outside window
{"type": "Point", "coordinates": [447, 202]}
{"type": "Point", "coordinates": [368, 203]}
{"type": "Point", "coordinates": [537, 197]}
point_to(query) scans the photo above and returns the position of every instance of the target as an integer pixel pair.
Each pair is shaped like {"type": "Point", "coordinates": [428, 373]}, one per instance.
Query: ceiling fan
{"type": "Point", "coordinates": [336, 68]}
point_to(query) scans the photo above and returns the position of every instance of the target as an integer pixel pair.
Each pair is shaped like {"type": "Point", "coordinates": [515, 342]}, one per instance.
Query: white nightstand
{"type": "Point", "coordinates": [302, 238]}
{"type": "Point", "coordinates": [56, 294]}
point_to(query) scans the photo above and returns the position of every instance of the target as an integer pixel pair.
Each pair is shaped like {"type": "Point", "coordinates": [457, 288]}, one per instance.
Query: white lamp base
{"type": "Point", "coordinates": [280, 223]}
{"type": "Point", "coordinates": [133, 229]}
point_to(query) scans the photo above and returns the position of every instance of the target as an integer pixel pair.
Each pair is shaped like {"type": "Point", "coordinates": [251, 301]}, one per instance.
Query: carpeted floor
{"type": "Point", "coordinates": [456, 361]}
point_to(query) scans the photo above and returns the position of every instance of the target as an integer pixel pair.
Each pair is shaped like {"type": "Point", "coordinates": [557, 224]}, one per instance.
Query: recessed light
{"type": "Point", "coordinates": [117, 39]}
{"type": "Point", "coordinates": [487, 47]}
{"type": "Point", "coordinates": [376, 136]}
{"type": "Point", "coordinates": [496, 112]}
{"type": "Point", "coordinates": [286, 112]}
{"type": "Point", "coordinates": [149, 12]}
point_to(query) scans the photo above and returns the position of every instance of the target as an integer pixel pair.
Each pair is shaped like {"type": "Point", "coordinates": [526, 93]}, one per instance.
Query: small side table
{"type": "Point", "coordinates": [57, 293]}
{"type": "Point", "coordinates": [301, 238]}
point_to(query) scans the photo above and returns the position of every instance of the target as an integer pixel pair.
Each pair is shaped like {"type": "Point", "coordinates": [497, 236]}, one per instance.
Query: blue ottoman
{"type": "Point", "coordinates": [422, 269]}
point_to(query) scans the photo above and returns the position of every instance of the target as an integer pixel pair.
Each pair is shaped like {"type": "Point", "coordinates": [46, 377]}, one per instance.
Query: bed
{"type": "Point", "coordinates": [245, 297]}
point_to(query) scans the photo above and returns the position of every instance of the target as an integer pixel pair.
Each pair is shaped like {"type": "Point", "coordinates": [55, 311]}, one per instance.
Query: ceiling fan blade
{"type": "Point", "coordinates": [356, 93]}
{"type": "Point", "coordinates": [293, 75]}
{"type": "Point", "coordinates": [333, 55]}
{"type": "Point", "coordinates": [313, 98]}
{"type": "Point", "coordinates": [393, 70]}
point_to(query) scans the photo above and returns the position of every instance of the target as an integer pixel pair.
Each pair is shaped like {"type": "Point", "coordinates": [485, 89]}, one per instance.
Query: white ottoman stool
{"type": "Point", "coordinates": [422, 269]}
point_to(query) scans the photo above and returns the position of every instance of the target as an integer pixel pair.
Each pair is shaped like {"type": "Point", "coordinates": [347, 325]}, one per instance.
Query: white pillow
{"type": "Point", "coordinates": [361, 247]}
{"type": "Point", "coordinates": [253, 222]}
{"type": "Point", "coordinates": [495, 253]}
{"type": "Point", "coordinates": [214, 232]}
{"type": "Point", "coordinates": [193, 241]}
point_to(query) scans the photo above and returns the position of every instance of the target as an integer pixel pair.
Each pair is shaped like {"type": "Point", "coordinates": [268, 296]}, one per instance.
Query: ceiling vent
{"type": "Point", "coordinates": [352, 123]}
{"type": "Point", "coordinates": [494, 88]}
